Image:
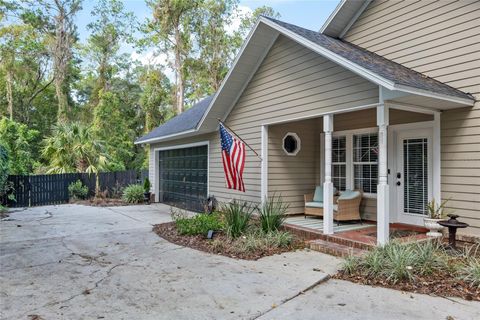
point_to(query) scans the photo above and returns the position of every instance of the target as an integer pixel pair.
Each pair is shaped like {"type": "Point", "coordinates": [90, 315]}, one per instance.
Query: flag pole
{"type": "Point", "coordinates": [223, 123]}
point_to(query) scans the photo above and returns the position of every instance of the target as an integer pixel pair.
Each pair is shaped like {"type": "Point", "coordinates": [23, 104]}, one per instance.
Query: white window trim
{"type": "Point", "coordinates": [299, 144]}
{"type": "Point", "coordinates": [348, 134]}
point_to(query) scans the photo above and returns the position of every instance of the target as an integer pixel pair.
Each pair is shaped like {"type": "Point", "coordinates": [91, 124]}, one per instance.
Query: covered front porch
{"type": "Point", "coordinates": [389, 152]}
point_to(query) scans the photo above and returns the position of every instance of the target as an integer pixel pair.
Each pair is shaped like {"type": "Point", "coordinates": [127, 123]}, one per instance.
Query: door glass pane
{"type": "Point", "coordinates": [415, 172]}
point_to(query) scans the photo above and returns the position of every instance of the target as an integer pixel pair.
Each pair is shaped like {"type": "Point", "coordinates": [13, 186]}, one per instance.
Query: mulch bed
{"type": "Point", "coordinates": [102, 202]}
{"type": "Point", "coordinates": [440, 284]}
{"type": "Point", "coordinates": [169, 233]}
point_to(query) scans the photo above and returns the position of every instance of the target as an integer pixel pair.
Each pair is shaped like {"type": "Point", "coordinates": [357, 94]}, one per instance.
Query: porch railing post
{"type": "Point", "coordinates": [382, 187]}
{"type": "Point", "coordinates": [328, 185]}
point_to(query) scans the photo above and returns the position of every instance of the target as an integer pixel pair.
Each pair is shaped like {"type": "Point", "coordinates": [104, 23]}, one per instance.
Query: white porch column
{"type": "Point", "coordinates": [436, 190]}
{"type": "Point", "coordinates": [382, 187]}
{"type": "Point", "coordinates": [264, 168]}
{"type": "Point", "coordinates": [328, 185]}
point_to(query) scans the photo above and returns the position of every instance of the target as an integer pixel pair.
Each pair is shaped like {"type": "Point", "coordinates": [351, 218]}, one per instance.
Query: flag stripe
{"type": "Point", "coordinates": [233, 158]}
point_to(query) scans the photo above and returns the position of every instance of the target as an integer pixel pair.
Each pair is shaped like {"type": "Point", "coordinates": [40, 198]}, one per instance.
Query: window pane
{"type": "Point", "coordinates": [365, 158]}
{"type": "Point", "coordinates": [339, 163]}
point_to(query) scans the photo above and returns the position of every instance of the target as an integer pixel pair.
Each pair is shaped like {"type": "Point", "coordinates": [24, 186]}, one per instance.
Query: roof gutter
{"type": "Point", "coordinates": [159, 139]}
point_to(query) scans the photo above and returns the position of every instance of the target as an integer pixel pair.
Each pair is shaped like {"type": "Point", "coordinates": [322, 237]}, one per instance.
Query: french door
{"type": "Point", "coordinates": [413, 176]}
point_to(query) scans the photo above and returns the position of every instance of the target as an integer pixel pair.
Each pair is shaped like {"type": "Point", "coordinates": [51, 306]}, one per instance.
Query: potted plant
{"type": "Point", "coordinates": [436, 213]}
{"type": "Point", "coordinates": [146, 188]}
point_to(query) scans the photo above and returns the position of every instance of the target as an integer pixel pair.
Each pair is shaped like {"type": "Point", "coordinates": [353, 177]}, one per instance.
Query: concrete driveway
{"type": "Point", "coordinates": [80, 262]}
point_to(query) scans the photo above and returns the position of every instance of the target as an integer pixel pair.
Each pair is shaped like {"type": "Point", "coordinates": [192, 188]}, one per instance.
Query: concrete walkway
{"type": "Point", "coordinates": [80, 262]}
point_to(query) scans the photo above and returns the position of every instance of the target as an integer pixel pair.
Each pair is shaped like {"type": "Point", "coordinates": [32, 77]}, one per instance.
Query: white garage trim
{"type": "Point", "coordinates": [179, 146]}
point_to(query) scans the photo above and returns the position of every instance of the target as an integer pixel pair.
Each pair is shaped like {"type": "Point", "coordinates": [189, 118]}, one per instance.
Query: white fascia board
{"type": "Point", "coordinates": [159, 139]}
{"type": "Point", "coordinates": [332, 16]}
{"type": "Point", "coordinates": [425, 93]}
{"type": "Point", "coordinates": [354, 18]}
{"type": "Point", "coordinates": [373, 77]}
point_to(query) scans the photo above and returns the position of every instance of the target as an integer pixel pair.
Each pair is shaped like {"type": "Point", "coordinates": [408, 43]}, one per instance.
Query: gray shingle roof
{"type": "Point", "coordinates": [379, 65]}
{"type": "Point", "coordinates": [185, 121]}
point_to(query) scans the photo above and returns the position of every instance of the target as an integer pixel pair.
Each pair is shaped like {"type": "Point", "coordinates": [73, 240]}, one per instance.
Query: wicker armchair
{"type": "Point", "coordinates": [347, 206]}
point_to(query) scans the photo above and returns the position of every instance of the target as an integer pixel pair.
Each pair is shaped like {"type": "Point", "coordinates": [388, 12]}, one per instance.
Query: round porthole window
{"type": "Point", "coordinates": [291, 144]}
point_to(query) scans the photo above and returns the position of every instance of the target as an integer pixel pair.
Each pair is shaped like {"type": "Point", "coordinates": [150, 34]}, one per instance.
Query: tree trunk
{"type": "Point", "coordinates": [9, 93]}
{"type": "Point", "coordinates": [62, 57]}
{"type": "Point", "coordinates": [178, 68]}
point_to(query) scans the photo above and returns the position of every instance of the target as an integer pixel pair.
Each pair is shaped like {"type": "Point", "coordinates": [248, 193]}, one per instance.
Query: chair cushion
{"type": "Point", "coordinates": [314, 204]}
{"type": "Point", "coordinates": [348, 195]}
{"type": "Point", "coordinates": [318, 195]}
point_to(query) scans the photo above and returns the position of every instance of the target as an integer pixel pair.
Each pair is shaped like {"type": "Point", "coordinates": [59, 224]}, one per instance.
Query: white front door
{"type": "Point", "coordinates": [413, 175]}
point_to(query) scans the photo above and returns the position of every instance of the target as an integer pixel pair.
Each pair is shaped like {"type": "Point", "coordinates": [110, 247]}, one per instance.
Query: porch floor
{"type": "Point", "coordinates": [355, 232]}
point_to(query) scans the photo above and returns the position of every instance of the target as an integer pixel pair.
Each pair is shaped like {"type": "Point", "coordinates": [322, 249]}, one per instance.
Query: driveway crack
{"type": "Point", "coordinates": [311, 287]}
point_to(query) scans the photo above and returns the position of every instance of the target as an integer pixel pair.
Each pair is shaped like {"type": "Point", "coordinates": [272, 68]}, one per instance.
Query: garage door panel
{"type": "Point", "coordinates": [183, 177]}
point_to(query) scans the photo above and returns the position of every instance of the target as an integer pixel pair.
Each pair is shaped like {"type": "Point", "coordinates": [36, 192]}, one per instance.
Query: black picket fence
{"type": "Point", "coordinates": [37, 190]}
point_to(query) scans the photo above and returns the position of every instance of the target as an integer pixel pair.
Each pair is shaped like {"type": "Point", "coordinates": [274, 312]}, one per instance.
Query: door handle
{"type": "Point", "coordinates": [399, 183]}
{"type": "Point", "coordinates": [399, 175]}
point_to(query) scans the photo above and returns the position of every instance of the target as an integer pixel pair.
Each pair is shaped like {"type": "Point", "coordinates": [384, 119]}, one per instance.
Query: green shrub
{"type": "Point", "coordinates": [133, 193]}
{"type": "Point", "coordinates": [199, 224]}
{"type": "Point", "coordinates": [76, 190]}
{"type": "Point", "coordinates": [471, 272]}
{"type": "Point", "coordinates": [237, 216]}
{"type": "Point", "coordinates": [272, 213]}
{"type": "Point", "coordinates": [146, 185]}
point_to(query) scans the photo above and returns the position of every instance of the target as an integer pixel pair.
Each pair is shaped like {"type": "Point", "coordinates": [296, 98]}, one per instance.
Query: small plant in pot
{"type": "Point", "coordinates": [146, 193]}
{"type": "Point", "coordinates": [436, 213]}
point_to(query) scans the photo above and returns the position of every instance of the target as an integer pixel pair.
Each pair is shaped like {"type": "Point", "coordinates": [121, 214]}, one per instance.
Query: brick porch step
{"type": "Point", "coordinates": [333, 248]}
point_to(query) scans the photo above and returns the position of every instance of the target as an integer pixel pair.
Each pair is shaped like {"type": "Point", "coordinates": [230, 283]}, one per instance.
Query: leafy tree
{"type": "Point", "coordinates": [109, 126]}
{"type": "Point", "coordinates": [17, 139]}
{"type": "Point", "coordinates": [113, 25]}
{"type": "Point", "coordinates": [155, 99]}
{"type": "Point", "coordinates": [171, 29]}
{"type": "Point", "coordinates": [73, 147]}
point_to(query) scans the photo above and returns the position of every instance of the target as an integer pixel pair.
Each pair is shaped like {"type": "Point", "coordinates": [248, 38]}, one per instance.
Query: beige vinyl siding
{"type": "Point", "coordinates": [291, 83]}
{"type": "Point", "coordinates": [440, 39]}
{"type": "Point", "coordinates": [294, 176]}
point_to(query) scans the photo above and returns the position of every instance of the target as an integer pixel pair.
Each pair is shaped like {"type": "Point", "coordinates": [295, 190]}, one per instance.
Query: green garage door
{"type": "Point", "coordinates": [183, 177]}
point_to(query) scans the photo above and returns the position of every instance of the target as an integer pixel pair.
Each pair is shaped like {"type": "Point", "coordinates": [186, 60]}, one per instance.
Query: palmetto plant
{"type": "Point", "coordinates": [74, 148]}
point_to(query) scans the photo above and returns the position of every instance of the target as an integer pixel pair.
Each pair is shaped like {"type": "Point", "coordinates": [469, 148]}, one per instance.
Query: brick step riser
{"type": "Point", "coordinates": [306, 234]}
{"type": "Point", "coordinates": [342, 253]}
{"type": "Point", "coordinates": [346, 242]}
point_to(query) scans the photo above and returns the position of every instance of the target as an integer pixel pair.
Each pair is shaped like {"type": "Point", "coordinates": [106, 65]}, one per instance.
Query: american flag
{"type": "Point", "coordinates": [233, 157]}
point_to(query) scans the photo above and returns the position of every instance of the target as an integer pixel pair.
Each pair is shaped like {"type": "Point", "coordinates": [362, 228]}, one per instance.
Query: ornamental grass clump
{"type": "Point", "coordinates": [471, 272]}
{"type": "Point", "coordinates": [272, 213]}
{"type": "Point", "coordinates": [237, 216]}
{"type": "Point", "coordinates": [133, 193]}
{"type": "Point", "coordinates": [396, 261]}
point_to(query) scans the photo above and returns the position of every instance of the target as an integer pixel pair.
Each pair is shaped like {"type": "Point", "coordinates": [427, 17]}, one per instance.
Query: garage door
{"type": "Point", "coordinates": [183, 177]}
